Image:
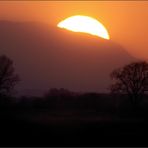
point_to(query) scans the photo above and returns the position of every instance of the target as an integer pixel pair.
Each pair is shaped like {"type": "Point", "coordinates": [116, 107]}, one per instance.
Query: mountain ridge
{"type": "Point", "coordinates": [47, 56]}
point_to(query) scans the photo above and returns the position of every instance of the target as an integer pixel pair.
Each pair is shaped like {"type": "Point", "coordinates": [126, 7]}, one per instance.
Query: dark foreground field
{"type": "Point", "coordinates": [73, 132]}
{"type": "Point", "coordinates": [72, 121]}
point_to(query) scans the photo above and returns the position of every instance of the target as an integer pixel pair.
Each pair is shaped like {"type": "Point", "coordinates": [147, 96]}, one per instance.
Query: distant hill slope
{"type": "Point", "coordinates": [46, 56]}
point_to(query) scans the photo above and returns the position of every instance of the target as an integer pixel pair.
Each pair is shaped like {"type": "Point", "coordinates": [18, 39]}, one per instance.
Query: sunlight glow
{"type": "Point", "coordinates": [84, 24]}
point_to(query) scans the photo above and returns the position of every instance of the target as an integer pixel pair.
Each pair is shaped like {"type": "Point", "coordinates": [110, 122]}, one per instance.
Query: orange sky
{"type": "Point", "coordinates": [126, 21]}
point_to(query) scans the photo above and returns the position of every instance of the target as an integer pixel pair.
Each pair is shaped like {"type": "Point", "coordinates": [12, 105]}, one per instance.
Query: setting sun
{"type": "Point", "coordinates": [84, 24]}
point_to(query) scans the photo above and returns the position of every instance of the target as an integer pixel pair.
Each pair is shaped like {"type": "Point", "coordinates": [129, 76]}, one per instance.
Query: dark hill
{"type": "Point", "coordinates": [46, 56]}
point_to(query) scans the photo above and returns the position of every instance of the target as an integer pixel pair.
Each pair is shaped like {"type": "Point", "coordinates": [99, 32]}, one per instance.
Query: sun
{"type": "Point", "coordinates": [85, 24]}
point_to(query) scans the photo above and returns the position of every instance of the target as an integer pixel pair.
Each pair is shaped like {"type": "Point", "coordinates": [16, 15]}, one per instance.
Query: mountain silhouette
{"type": "Point", "coordinates": [46, 56]}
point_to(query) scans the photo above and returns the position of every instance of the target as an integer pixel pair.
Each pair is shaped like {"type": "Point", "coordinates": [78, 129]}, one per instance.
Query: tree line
{"type": "Point", "coordinates": [131, 79]}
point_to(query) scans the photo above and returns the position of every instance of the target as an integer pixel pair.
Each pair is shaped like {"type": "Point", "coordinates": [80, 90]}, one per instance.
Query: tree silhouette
{"type": "Point", "coordinates": [8, 78]}
{"type": "Point", "coordinates": [132, 79]}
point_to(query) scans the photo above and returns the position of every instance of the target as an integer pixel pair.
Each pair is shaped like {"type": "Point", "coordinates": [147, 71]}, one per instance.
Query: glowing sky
{"type": "Point", "coordinates": [126, 21]}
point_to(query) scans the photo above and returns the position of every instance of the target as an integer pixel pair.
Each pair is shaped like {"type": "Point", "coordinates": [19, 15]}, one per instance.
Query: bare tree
{"type": "Point", "coordinates": [132, 79]}
{"type": "Point", "coordinates": [8, 78]}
